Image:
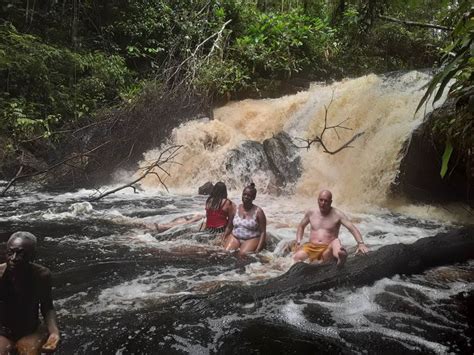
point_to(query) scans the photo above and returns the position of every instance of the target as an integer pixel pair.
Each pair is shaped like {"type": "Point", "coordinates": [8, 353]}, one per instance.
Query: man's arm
{"type": "Point", "coordinates": [346, 222]}
{"type": "Point", "coordinates": [48, 312]}
{"type": "Point", "coordinates": [53, 338]}
{"type": "Point", "coordinates": [300, 230]}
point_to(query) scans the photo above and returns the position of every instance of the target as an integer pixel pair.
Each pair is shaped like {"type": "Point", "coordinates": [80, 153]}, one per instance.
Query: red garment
{"type": "Point", "coordinates": [216, 218]}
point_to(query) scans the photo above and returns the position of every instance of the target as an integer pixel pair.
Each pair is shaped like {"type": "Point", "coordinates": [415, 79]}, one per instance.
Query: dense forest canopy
{"type": "Point", "coordinates": [65, 64]}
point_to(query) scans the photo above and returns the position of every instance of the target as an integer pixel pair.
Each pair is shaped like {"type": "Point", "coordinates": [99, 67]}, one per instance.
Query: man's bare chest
{"type": "Point", "coordinates": [329, 223]}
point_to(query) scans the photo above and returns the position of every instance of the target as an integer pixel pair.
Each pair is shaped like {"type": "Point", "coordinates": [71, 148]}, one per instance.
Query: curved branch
{"type": "Point", "coordinates": [166, 156]}
{"type": "Point", "coordinates": [319, 139]}
{"type": "Point", "coordinates": [49, 168]}
{"type": "Point", "coordinates": [415, 24]}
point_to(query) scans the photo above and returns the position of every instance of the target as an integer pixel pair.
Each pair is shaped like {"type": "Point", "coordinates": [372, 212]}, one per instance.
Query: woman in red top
{"type": "Point", "coordinates": [218, 209]}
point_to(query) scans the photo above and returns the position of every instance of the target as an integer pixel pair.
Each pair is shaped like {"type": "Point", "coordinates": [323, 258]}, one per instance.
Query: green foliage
{"type": "Point", "coordinates": [222, 77]}
{"type": "Point", "coordinates": [282, 43]}
{"type": "Point", "coordinates": [457, 62]}
{"type": "Point", "coordinates": [458, 66]}
{"type": "Point", "coordinates": [259, 47]}
{"type": "Point", "coordinates": [45, 86]}
{"type": "Point", "coordinates": [448, 150]}
{"type": "Point", "coordinates": [140, 30]}
{"type": "Point", "coordinates": [63, 62]}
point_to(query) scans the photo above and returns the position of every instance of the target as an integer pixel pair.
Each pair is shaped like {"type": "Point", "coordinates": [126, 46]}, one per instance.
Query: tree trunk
{"type": "Point", "coordinates": [442, 249]}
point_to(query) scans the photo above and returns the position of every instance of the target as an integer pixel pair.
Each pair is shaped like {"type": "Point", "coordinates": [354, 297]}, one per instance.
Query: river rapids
{"type": "Point", "coordinates": [122, 287]}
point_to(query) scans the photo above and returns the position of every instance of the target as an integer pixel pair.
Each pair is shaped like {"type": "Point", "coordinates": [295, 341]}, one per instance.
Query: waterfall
{"type": "Point", "coordinates": [382, 107]}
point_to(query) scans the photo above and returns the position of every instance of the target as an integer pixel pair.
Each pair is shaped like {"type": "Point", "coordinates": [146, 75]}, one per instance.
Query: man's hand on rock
{"type": "Point", "coordinates": [362, 249]}
{"type": "Point", "coordinates": [51, 343]}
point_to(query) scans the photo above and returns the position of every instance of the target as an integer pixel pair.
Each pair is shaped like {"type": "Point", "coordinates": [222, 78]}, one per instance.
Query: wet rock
{"type": "Point", "coordinates": [205, 189]}
{"type": "Point", "coordinates": [404, 305]}
{"type": "Point", "coordinates": [218, 321]}
{"type": "Point", "coordinates": [316, 313]}
{"type": "Point", "coordinates": [283, 158]}
{"type": "Point", "coordinates": [420, 167]}
{"type": "Point", "coordinates": [246, 161]}
{"type": "Point", "coordinates": [264, 337]}
{"type": "Point", "coordinates": [379, 343]}
{"type": "Point", "coordinates": [276, 159]}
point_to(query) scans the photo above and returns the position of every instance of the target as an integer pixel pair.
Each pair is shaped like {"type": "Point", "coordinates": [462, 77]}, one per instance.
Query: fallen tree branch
{"type": "Point", "coordinates": [319, 139]}
{"type": "Point", "coordinates": [442, 249]}
{"type": "Point", "coordinates": [12, 181]}
{"type": "Point", "coordinates": [414, 23]}
{"type": "Point", "coordinates": [388, 261]}
{"type": "Point", "coordinates": [217, 34]}
{"type": "Point", "coordinates": [166, 156]}
{"type": "Point", "coordinates": [302, 279]}
{"type": "Point", "coordinates": [18, 177]}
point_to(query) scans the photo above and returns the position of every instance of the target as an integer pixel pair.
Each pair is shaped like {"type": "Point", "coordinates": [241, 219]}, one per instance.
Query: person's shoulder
{"type": "Point", "coordinates": [259, 214]}
{"type": "Point", "coordinates": [228, 202]}
{"type": "Point", "coordinates": [339, 213]}
{"type": "Point", "coordinates": [3, 267]}
{"type": "Point", "coordinates": [40, 270]}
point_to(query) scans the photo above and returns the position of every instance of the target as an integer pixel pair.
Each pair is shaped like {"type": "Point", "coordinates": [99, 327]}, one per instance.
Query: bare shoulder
{"type": "Point", "coordinates": [341, 215]}
{"type": "Point", "coordinates": [260, 211]}
{"type": "Point", "coordinates": [307, 217]}
{"type": "Point", "coordinates": [230, 205]}
{"type": "Point", "coordinates": [41, 271]}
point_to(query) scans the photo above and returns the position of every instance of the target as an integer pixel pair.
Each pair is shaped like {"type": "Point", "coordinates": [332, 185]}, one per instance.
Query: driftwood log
{"type": "Point", "coordinates": [390, 260]}
{"type": "Point", "coordinates": [262, 335]}
{"type": "Point", "coordinates": [442, 249]}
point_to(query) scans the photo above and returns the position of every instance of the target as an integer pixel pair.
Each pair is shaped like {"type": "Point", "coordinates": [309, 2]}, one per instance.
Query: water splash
{"type": "Point", "coordinates": [383, 107]}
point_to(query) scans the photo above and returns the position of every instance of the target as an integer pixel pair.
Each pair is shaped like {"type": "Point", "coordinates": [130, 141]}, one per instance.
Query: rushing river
{"type": "Point", "coordinates": [122, 287]}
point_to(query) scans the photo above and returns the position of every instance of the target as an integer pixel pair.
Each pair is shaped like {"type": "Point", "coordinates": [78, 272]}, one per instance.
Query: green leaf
{"type": "Point", "coordinates": [448, 150]}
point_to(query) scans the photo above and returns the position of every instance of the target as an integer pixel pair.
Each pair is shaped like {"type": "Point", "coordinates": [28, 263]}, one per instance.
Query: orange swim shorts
{"type": "Point", "coordinates": [314, 251]}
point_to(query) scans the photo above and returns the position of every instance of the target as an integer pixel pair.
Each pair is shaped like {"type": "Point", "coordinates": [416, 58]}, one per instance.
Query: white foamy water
{"type": "Point", "coordinates": [362, 311]}
{"type": "Point", "coordinates": [283, 216]}
{"type": "Point", "coordinates": [383, 108]}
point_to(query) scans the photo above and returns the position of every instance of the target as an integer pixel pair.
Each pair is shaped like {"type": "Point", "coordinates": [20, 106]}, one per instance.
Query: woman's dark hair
{"type": "Point", "coordinates": [218, 193]}
{"type": "Point", "coordinates": [252, 188]}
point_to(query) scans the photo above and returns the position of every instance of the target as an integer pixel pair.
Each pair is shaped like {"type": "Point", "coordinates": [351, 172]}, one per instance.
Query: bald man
{"type": "Point", "coordinates": [25, 288]}
{"type": "Point", "coordinates": [324, 244]}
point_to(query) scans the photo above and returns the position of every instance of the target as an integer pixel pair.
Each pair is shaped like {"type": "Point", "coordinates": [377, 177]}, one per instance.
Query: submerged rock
{"type": "Point", "coordinates": [205, 189]}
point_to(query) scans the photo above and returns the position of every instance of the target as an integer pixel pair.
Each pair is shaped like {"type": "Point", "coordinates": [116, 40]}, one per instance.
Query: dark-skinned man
{"type": "Point", "coordinates": [25, 289]}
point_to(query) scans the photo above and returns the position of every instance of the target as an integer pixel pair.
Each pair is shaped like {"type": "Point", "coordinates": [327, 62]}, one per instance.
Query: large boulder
{"type": "Point", "coordinates": [275, 162]}
{"type": "Point", "coordinates": [419, 176]}
{"type": "Point", "coordinates": [247, 161]}
{"type": "Point", "coordinates": [283, 158]}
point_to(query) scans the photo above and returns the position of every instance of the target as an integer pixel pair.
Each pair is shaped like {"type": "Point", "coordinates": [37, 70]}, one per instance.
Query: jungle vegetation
{"type": "Point", "coordinates": [68, 65]}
